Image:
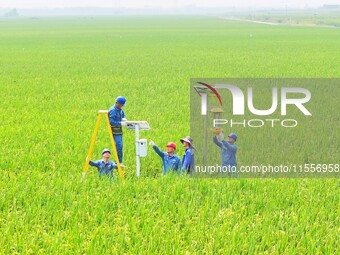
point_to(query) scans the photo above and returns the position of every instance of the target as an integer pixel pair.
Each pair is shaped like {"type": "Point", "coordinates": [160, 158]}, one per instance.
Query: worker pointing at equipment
{"type": "Point", "coordinates": [228, 152]}
{"type": "Point", "coordinates": [171, 162]}
{"type": "Point", "coordinates": [117, 121]}
{"type": "Point", "coordinates": [104, 165]}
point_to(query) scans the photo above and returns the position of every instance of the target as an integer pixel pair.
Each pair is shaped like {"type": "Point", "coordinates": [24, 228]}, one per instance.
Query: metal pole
{"type": "Point", "coordinates": [205, 135]}
{"type": "Point", "coordinates": [205, 140]}
{"type": "Point", "coordinates": [137, 151]}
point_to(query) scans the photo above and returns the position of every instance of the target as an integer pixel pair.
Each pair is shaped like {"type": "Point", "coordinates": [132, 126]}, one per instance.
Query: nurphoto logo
{"type": "Point", "coordinates": [286, 94]}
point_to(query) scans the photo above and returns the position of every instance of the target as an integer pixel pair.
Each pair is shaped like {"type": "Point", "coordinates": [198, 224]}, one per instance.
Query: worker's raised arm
{"type": "Point", "coordinates": [158, 151]}
{"type": "Point", "coordinates": [217, 142]}
{"type": "Point", "coordinates": [93, 163]}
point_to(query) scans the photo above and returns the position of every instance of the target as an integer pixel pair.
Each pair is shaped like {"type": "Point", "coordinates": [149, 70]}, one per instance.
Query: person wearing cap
{"type": "Point", "coordinates": [104, 165]}
{"type": "Point", "coordinates": [117, 121]}
{"type": "Point", "coordinates": [188, 158]}
{"type": "Point", "coordinates": [171, 162]}
{"type": "Point", "coordinates": [228, 152]}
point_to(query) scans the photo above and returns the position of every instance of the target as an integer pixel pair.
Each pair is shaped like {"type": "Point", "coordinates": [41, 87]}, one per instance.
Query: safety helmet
{"type": "Point", "coordinates": [106, 150]}
{"type": "Point", "coordinates": [121, 100]}
{"type": "Point", "coordinates": [233, 135]}
{"type": "Point", "coordinates": [172, 145]}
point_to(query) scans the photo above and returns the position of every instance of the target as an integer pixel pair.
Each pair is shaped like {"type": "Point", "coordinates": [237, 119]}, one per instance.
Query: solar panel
{"type": "Point", "coordinates": [143, 125]}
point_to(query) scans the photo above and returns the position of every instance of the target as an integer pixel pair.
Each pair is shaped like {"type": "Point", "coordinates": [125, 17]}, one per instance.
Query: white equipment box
{"type": "Point", "coordinates": [141, 144]}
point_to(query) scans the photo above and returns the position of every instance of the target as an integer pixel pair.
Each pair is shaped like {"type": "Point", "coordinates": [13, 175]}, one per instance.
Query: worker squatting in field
{"type": "Point", "coordinates": [104, 165]}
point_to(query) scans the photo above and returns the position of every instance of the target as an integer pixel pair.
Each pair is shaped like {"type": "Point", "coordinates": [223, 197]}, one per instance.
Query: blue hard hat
{"type": "Point", "coordinates": [233, 135]}
{"type": "Point", "coordinates": [121, 100]}
{"type": "Point", "coordinates": [106, 150]}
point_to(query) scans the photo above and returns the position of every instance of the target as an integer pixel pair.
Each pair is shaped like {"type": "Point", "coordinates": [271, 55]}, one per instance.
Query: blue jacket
{"type": "Point", "coordinates": [115, 116]}
{"type": "Point", "coordinates": [104, 168]}
{"type": "Point", "coordinates": [228, 152]}
{"type": "Point", "coordinates": [170, 163]}
{"type": "Point", "coordinates": [188, 164]}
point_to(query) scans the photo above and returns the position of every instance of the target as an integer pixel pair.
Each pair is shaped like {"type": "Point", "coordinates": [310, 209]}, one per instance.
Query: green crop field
{"type": "Point", "coordinates": [55, 74]}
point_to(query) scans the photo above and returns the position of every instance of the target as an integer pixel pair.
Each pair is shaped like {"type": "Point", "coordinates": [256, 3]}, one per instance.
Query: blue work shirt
{"type": "Point", "coordinates": [228, 152]}
{"type": "Point", "coordinates": [104, 168]}
{"type": "Point", "coordinates": [115, 116]}
{"type": "Point", "coordinates": [188, 160]}
{"type": "Point", "coordinates": [170, 163]}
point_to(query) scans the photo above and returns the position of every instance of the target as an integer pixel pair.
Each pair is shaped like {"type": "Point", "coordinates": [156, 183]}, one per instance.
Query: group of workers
{"type": "Point", "coordinates": [171, 161]}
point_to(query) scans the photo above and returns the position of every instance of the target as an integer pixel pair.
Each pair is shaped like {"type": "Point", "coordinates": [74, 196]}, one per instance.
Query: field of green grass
{"type": "Point", "coordinates": [55, 74]}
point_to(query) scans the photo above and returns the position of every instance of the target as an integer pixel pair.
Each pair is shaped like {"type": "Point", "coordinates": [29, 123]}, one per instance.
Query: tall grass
{"type": "Point", "coordinates": [55, 75]}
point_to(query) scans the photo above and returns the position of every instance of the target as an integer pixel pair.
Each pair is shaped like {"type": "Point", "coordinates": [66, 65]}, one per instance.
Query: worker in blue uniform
{"type": "Point", "coordinates": [117, 121]}
{"type": "Point", "coordinates": [188, 162]}
{"type": "Point", "coordinates": [171, 162]}
{"type": "Point", "coordinates": [228, 153]}
{"type": "Point", "coordinates": [105, 166]}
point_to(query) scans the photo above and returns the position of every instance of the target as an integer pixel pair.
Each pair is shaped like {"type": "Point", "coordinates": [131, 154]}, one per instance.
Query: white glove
{"type": "Point", "coordinates": [221, 136]}
{"type": "Point", "coordinates": [152, 143]}
{"type": "Point", "coordinates": [123, 123]}
{"type": "Point", "coordinates": [124, 119]}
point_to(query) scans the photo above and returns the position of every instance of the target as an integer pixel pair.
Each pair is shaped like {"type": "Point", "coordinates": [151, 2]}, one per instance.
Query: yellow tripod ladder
{"type": "Point", "coordinates": [86, 167]}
